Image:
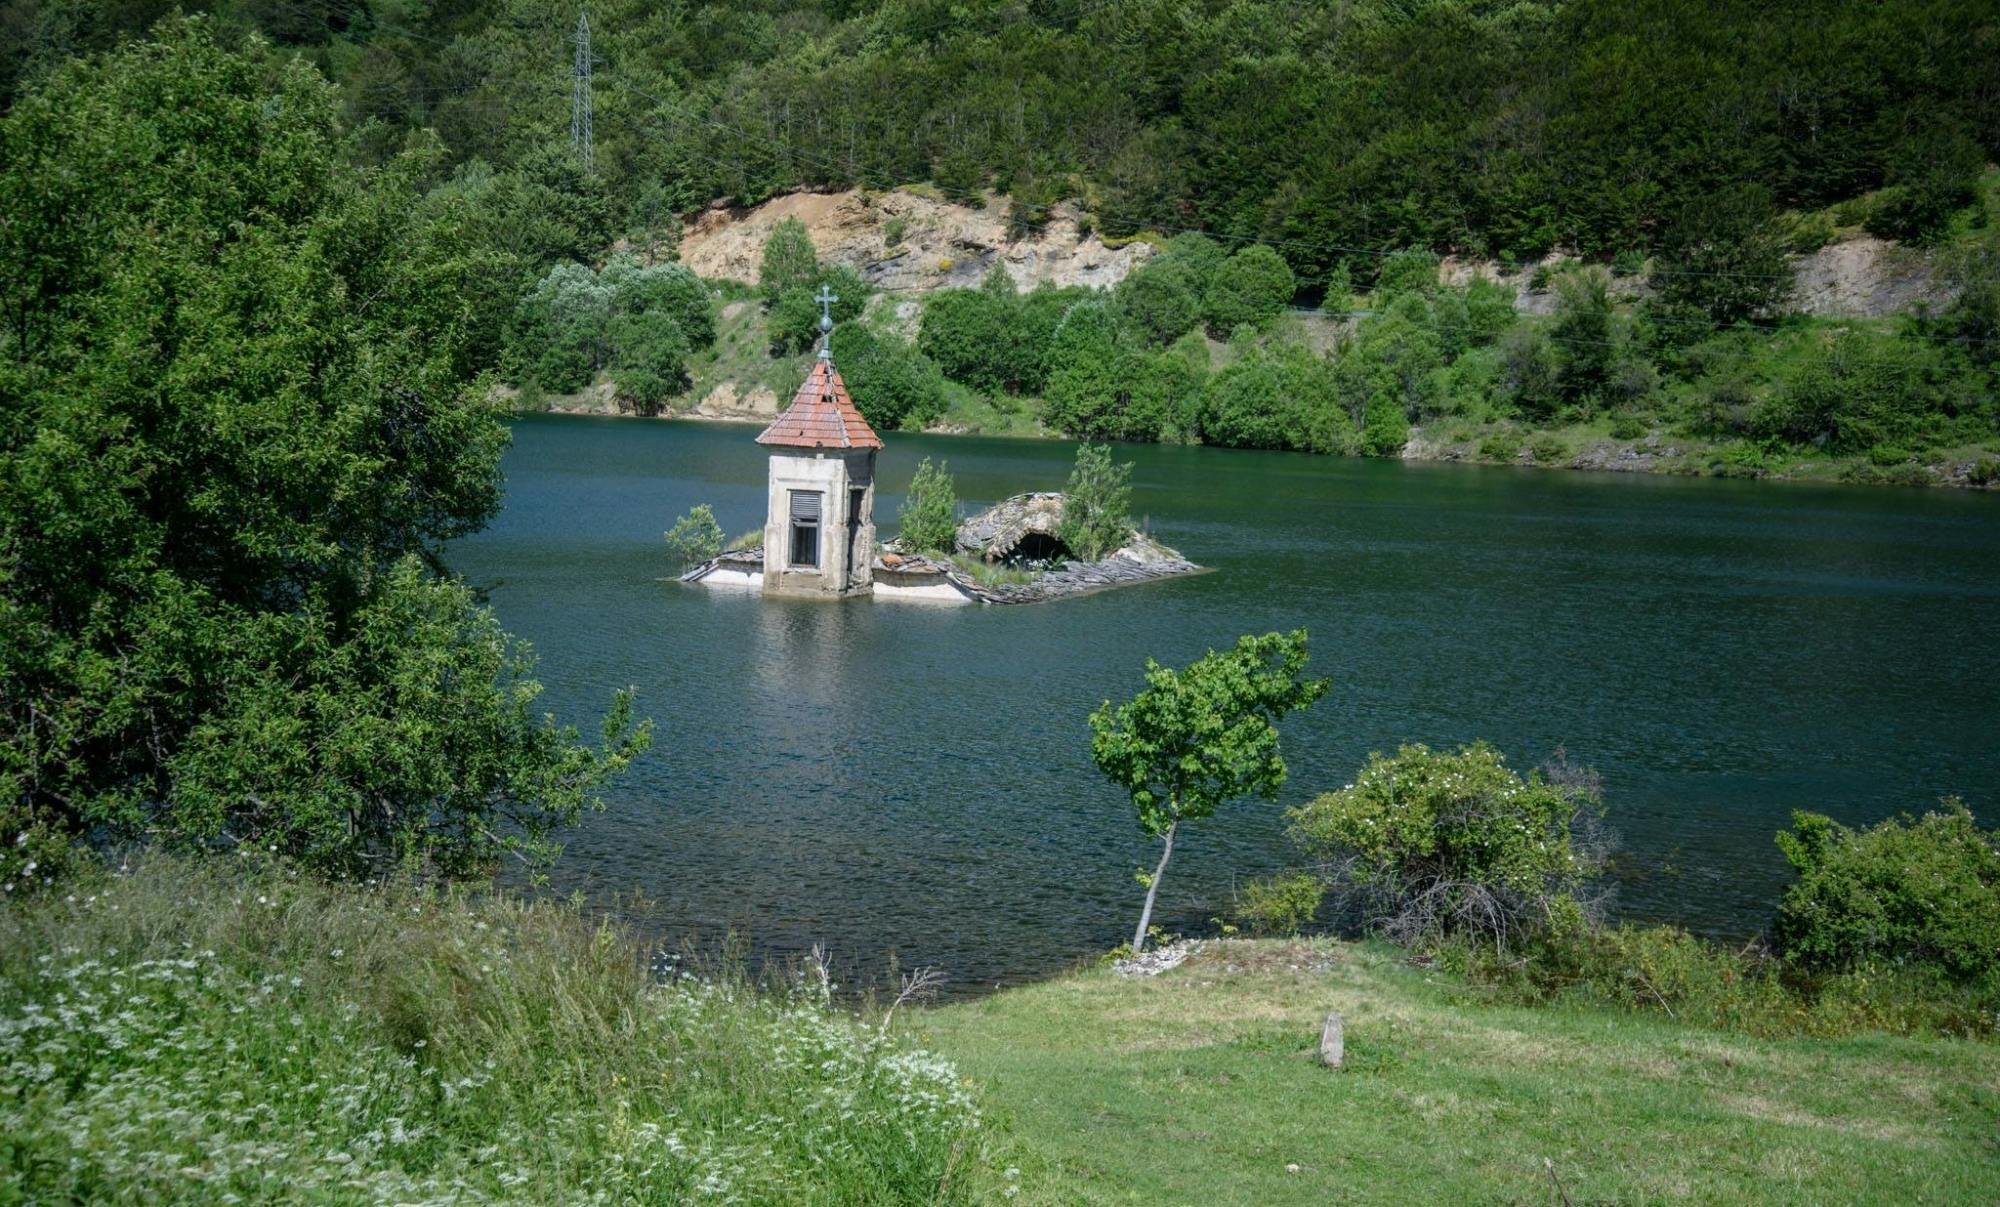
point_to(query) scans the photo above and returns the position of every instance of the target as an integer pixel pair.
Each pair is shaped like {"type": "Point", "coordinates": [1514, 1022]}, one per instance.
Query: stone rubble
{"type": "Point", "coordinates": [1158, 960]}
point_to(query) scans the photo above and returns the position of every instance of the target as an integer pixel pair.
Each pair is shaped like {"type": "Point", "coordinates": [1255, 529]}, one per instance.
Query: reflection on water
{"type": "Point", "coordinates": [917, 780]}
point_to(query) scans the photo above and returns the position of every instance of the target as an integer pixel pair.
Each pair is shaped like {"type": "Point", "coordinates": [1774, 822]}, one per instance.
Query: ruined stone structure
{"type": "Point", "coordinates": [819, 526]}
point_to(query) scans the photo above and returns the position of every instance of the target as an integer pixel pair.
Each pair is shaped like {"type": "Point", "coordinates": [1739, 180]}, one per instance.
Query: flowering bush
{"type": "Point", "coordinates": [177, 1036]}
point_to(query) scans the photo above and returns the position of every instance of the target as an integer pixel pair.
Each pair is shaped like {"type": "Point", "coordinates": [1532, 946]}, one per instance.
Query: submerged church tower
{"type": "Point", "coordinates": [819, 529]}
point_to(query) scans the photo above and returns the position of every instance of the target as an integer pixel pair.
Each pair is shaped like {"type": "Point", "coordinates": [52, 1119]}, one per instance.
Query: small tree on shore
{"type": "Point", "coordinates": [928, 520]}
{"type": "Point", "coordinates": [1097, 506]}
{"type": "Point", "coordinates": [1200, 737]}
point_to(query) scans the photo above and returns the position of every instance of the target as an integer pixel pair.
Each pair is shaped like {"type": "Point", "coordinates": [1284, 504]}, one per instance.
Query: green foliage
{"type": "Point", "coordinates": [1918, 891]}
{"type": "Point", "coordinates": [992, 338]}
{"type": "Point", "coordinates": [1585, 334]}
{"type": "Point", "coordinates": [893, 384]}
{"type": "Point", "coordinates": [928, 521]}
{"type": "Point", "coordinates": [1097, 504]}
{"type": "Point", "coordinates": [305, 1041]}
{"type": "Point", "coordinates": [1501, 129]}
{"type": "Point", "coordinates": [789, 264]}
{"type": "Point", "coordinates": [1438, 845]}
{"type": "Point", "coordinates": [1251, 287]}
{"type": "Point", "coordinates": [1549, 449]}
{"type": "Point", "coordinates": [1282, 397]}
{"type": "Point", "coordinates": [1386, 429]}
{"type": "Point", "coordinates": [695, 537]}
{"type": "Point", "coordinates": [1284, 904]}
{"type": "Point", "coordinates": [793, 322]}
{"type": "Point", "coordinates": [227, 622]}
{"type": "Point", "coordinates": [639, 321]}
{"type": "Point", "coordinates": [1932, 175]}
{"type": "Point", "coordinates": [1197, 738]}
{"type": "Point", "coordinates": [1724, 259]}
{"type": "Point", "coordinates": [1160, 301]}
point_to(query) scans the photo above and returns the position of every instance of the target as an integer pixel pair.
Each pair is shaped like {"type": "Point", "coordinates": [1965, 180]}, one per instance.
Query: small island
{"type": "Point", "coordinates": [818, 538]}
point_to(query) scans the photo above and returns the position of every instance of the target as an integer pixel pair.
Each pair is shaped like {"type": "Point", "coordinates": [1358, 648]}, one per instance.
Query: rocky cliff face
{"type": "Point", "coordinates": [903, 241]}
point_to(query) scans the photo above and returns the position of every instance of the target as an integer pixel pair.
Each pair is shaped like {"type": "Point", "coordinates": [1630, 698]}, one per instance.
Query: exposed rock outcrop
{"type": "Point", "coordinates": [904, 241]}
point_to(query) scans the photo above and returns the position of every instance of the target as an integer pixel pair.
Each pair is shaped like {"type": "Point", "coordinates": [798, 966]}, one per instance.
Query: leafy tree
{"type": "Point", "coordinates": [1411, 270]}
{"type": "Point", "coordinates": [1584, 334]}
{"type": "Point", "coordinates": [893, 384]}
{"type": "Point", "coordinates": [648, 358]}
{"type": "Point", "coordinates": [1253, 286]}
{"type": "Point", "coordinates": [1908, 891]}
{"type": "Point", "coordinates": [1457, 844]}
{"type": "Point", "coordinates": [668, 289]}
{"type": "Point", "coordinates": [794, 322]}
{"type": "Point", "coordinates": [1160, 301]}
{"type": "Point", "coordinates": [1097, 504]}
{"type": "Point", "coordinates": [1086, 388]}
{"type": "Point", "coordinates": [965, 332]}
{"type": "Point", "coordinates": [928, 521]}
{"type": "Point", "coordinates": [1196, 258]}
{"type": "Point", "coordinates": [1724, 259]}
{"type": "Point", "coordinates": [1932, 175]}
{"type": "Point", "coordinates": [1386, 429]}
{"type": "Point", "coordinates": [789, 262]}
{"type": "Point", "coordinates": [1530, 372]}
{"type": "Point", "coordinates": [1197, 738]}
{"type": "Point", "coordinates": [1275, 398]}
{"type": "Point", "coordinates": [563, 328]}
{"type": "Point", "coordinates": [222, 583]}
{"type": "Point", "coordinates": [695, 537]}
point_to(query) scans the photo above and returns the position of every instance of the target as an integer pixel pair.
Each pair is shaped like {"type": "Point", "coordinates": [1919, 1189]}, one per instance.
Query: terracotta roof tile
{"type": "Point", "coordinates": [821, 416]}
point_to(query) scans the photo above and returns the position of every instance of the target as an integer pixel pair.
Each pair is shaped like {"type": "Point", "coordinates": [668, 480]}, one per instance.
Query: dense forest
{"type": "Point", "coordinates": [1329, 130]}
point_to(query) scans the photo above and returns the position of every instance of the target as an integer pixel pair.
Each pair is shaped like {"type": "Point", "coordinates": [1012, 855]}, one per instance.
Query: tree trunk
{"type": "Point", "coordinates": [1152, 889]}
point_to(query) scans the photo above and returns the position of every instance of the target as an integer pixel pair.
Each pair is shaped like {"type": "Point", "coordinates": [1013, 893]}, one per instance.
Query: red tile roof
{"type": "Point", "coordinates": [821, 416]}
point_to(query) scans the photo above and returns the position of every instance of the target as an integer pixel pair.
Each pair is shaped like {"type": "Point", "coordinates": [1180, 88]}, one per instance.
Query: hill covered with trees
{"type": "Point", "coordinates": [1330, 130]}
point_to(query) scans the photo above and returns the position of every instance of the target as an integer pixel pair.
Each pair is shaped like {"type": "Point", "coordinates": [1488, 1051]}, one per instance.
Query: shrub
{"type": "Point", "coordinates": [1627, 427]}
{"type": "Point", "coordinates": [1908, 891]}
{"type": "Point", "coordinates": [1548, 449]}
{"type": "Point", "coordinates": [1159, 301]}
{"type": "Point", "coordinates": [1097, 504]}
{"type": "Point", "coordinates": [1435, 845]}
{"type": "Point", "coordinates": [1284, 904]}
{"type": "Point", "coordinates": [695, 537]}
{"type": "Point", "coordinates": [893, 384]}
{"type": "Point", "coordinates": [1501, 446]}
{"type": "Point", "coordinates": [928, 521]}
{"type": "Point", "coordinates": [793, 324]}
{"type": "Point", "coordinates": [284, 1038]}
{"type": "Point", "coordinates": [789, 262]}
{"type": "Point", "coordinates": [1386, 429]}
{"type": "Point", "coordinates": [1724, 258]}
{"type": "Point", "coordinates": [1932, 175]}
{"type": "Point", "coordinates": [1251, 287]}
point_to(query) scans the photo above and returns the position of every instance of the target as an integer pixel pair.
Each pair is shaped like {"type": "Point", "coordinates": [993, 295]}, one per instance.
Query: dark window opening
{"type": "Point", "coordinates": [805, 528]}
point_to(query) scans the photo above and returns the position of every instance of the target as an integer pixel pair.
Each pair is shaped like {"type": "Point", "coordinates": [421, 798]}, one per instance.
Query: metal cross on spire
{"type": "Point", "coordinates": [826, 299]}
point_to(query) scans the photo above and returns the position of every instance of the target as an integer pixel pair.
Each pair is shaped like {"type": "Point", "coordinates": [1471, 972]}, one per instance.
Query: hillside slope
{"type": "Point", "coordinates": [1202, 1085]}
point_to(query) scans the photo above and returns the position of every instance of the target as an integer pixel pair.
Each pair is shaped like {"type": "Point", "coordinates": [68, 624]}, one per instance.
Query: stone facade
{"type": "Point", "coordinates": [819, 530]}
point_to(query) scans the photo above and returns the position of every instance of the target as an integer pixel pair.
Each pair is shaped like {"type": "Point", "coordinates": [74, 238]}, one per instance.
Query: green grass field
{"type": "Point", "coordinates": [1203, 1086]}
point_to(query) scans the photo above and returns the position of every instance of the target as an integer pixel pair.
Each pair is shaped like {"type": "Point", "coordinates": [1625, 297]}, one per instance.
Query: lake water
{"type": "Point", "coordinates": [916, 781]}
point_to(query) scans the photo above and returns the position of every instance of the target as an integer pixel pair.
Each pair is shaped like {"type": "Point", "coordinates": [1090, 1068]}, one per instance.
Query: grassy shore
{"type": "Point", "coordinates": [1202, 1086]}
{"type": "Point", "coordinates": [201, 1034]}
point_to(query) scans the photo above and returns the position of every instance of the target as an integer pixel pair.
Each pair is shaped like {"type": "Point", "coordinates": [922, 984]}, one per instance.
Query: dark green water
{"type": "Point", "coordinates": [901, 778]}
